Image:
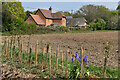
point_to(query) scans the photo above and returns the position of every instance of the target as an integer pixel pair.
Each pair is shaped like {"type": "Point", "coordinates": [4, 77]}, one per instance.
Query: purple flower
{"type": "Point", "coordinates": [80, 63]}
{"type": "Point", "coordinates": [79, 59]}
{"type": "Point", "coordinates": [72, 59]}
{"type": "Point", "coordinates": [85, 58]}
{"type": "Point", "coordinates": [76, 54]}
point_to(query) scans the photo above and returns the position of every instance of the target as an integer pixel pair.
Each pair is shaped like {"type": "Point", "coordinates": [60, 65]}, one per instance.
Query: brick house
{"type": "Point", "coordinates": [46, 18]}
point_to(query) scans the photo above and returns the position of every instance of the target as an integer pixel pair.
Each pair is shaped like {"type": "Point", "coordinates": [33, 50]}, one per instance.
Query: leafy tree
{"type": "Point", "coordinates": [115, 13]}
{"type": "Point", "coordinates": [27, 14]}
{"type": "Point", "coordinates": [113, 23]}
{"type": "Point", "coordinates": [11, 12]}
{"type": "Point", "coordinates": [66, 13]}
{"type": "Point", "coordinates": [118, 7]}
{"type": "Point", "coordinates": [91, 12]}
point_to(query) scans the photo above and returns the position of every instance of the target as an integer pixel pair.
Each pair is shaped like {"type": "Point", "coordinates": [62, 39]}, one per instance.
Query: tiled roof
{"type": "Point", "coordinates": [57, 15]}
{"type": "Point", "coordinates": [76, 21]}
{"type": "Point", "coordinates": [37, 19]}
{"type": "Point", "coordinates": [46, 13]}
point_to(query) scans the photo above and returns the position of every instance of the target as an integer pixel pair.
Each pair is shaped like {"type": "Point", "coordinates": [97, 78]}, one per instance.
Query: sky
{"type": "Point", "coordinates": [65, 6]}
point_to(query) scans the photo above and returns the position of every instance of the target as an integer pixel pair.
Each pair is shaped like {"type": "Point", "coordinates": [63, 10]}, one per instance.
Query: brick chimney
{"type": "Point", "coordinates": [50, 9]}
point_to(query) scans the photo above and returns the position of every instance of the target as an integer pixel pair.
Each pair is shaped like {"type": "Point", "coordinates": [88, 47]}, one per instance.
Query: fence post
{"type": "Point", "coordinates": [6, 47]}
{"type": "Point", "coordinates": [57, 58]}
{"type": "Point", "coordinates": [36, 50]}
{"type": "Point", "coordinates": [21, 55]}
{"type": "Point", "coordinates": [66, 63]}
{"type": "Point", "coordinates": [81, 62]}
{"type": "Point", "coordinates": [43, 58]}
{"type": "Point", "coordinates": [49, 59]}
{"type": "Point", "coordinates": [30, 56]}
{"type": "Point", "coordinates": [47, 55]}
{"type": "Point", "coordinates": [19, 47]}
{"type": "Point", "coordinates": [105, 60]}
{"type": "Point", "coordinates": [28, 49]}
{"type": "Point", "coordinates": [11, 51]}
{"type": "Point", "coordinates": [62, 58]}
{"type": "Point", "coordinates": [14, 45]}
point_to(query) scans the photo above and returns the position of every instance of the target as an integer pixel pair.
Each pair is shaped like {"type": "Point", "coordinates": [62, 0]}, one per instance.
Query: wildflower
{"type": "Point", "coordinates": [72, 59]}
{"type": "Point", "coordinates": [80, 63]}
{"type": "Point", "coordinates": [79, 59]}
{"type": "Point", "coordinates": [76, 54]}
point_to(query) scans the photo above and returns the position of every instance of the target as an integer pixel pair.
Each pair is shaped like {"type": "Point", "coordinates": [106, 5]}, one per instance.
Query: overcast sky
{"type": "Point", "coordinates": [70, 0]}
{"type": "Point", "coordinates": [65, 6]}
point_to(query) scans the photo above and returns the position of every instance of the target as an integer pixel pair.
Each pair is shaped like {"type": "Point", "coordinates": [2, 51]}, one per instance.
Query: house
{"type": "Point", "coordinates": [77, 22]}
{"type": "Point", "coordinates": [47, 18]}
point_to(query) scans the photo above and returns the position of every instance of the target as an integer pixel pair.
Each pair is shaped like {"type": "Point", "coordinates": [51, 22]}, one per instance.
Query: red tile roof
{"type": "Point", "coordinates": [57, 15]}
{"type": "Point", "coordinates": [46, 13]}
{"type": "Point", "coordinates": [37, 19]}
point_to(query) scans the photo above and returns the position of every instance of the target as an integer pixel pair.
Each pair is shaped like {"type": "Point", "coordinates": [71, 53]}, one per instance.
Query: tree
{"type": "Point", "coordinates": [112, 24]}
{"type": "Point", "coordinates": [66, 13]}
{"type": "Point", "coordinates": [91, 12]}
{"type": "Point", "coordinates": [27, 14]}
{"type": "Point", "coordinates": [11, 12]}
{"type": "Point", "coordinates": [118, 7]}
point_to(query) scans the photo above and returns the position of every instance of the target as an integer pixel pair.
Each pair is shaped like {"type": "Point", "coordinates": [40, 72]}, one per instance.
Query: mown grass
{"type": "Point", "coordinates": [96, 70]}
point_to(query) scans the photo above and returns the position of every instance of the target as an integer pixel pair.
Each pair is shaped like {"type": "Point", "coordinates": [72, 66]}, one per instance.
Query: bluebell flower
{"type": "Point", "coordinates": [72, 59]}
{"type": "Point", "coordinates": [76, 54]}
{"type": "Point", "coordinates": [80, 63]}
{"type": "Point", "coordinates": [79, 59]}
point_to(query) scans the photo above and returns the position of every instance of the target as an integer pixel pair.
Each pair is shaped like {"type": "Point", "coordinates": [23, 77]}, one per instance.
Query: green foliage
{"type": "Point", "coordinates": [98, 25]}
{"type": "Point", "coordinates": [12, 14]}
{"type": "Point", "coordinates": [118, 7]}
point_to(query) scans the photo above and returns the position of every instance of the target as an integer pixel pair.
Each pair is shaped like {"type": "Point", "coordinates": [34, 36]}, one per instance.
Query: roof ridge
{"type": "Point", "coordinates": [43, 9]}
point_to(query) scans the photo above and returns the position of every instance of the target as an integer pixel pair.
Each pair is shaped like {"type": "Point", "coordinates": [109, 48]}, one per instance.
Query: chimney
{"type": "Point", "coordinates": [50, 9]}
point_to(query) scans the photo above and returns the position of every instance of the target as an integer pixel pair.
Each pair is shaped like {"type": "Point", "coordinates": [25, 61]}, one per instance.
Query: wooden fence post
{"type": "Point", "coordinates": [11, 51]}
{"type": "Point", "coordinates": [6, 48]}
{"type": "Point", "coordinates": [43, 58]}
{"type": "Point", "coordinates": [62, 58]}
{"type": "Point", "coordinates": [21, 55]}
{"type": "Point", "coordinates": [28, 49]}
{"type": "Point", "coordinates": [47, 55]}
{"type": "Point", "coordinates": [105, 60]}
{"type": "Point", "coordinates": [30, 53]}
{"type": "Point", "coordinates": [49, 59]}
{"type": "Point", "coordinates": [81, 62]}
{"type": "Point", "coordinates": [57, 58]}
{"type": "Point", "coordinates": [36, 50]}
{"type": "Point", "coordinates": [14, 45]}
{"type": "Point", "coordinates": [19, 47]}
{"type": "Point", "coordinates": [66, 63]}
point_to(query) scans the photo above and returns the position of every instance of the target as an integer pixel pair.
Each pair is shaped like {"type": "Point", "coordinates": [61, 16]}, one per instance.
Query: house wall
{"type": "Point", "coordinates": [64, 21]}
{"type": "Point", "coordinates": [48, 22]}
{"type": "Point", "coordinates": [57, 21]}
{"type": "Point", "coordinates": [41, 15]}
{"type": "Point", "coordinates": [28, 19]}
